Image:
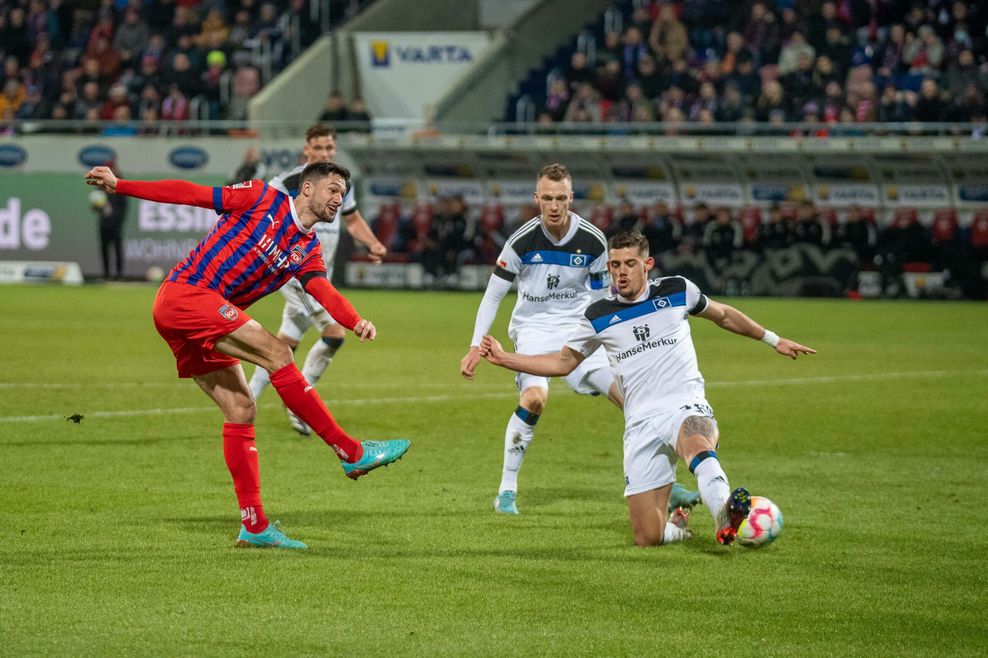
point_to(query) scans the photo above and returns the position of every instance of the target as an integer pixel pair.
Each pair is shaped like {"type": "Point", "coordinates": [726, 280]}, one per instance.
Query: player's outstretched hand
{"type": "Point", "coordinates": [792, 349]}
{"type": "Point", "coordinates": [377, 252]}
{"type": "Point", "coordinates": [365, 330]}
{"type": "Point", "coordinates": [468, 364]}
{"type": "Point", "coordinates": [491, 350]}
{"type": "Point", "coordinates": [102, 178]}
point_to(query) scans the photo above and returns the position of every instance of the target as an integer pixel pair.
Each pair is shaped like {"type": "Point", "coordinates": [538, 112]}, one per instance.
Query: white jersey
{"type": "Point", "coordinates": [327, 232]}
{"type": "Point", "coordinates": [649, 346]}
{"type": "Point", "coordinates": [555, 278]}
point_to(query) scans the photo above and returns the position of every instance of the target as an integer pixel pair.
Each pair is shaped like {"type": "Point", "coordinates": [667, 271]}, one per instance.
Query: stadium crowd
{"type": "Point", "coordinates": [152, 60]}
{"type": "Point", "coordinates": [778, 61]}
{"type": "Point", "coordinates": [447, 235]}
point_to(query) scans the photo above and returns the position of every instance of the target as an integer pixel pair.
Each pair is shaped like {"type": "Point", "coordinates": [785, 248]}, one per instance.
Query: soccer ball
{"type": "Point", "coordinates": [762, 525]}
{"type": "Point", "coordinates": [98, 199]}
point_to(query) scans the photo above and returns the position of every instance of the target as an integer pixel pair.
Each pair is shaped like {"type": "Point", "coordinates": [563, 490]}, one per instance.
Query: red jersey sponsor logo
{"type": "Point", "coordinates": [242, 186]}
{"type": "Point", "coordinates": [229, 312]}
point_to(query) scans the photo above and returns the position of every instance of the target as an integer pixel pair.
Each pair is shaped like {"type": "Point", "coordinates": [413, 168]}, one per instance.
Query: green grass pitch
{"type": "Point", "coordinates": [117, 532]}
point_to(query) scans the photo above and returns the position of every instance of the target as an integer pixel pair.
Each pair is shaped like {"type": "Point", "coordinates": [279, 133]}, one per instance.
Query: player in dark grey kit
{"type": "Point", "coordinates": [646, 333]}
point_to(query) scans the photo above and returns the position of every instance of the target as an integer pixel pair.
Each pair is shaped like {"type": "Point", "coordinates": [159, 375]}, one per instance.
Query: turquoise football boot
{"type": "Point", "coordinates": [680, 496]}
{"type": "Point", "coordinates": [270, 537]}
{"type": "Point", "coordinates": [505, 503]}
{"type": "Point", "coordinates": [376, 454]}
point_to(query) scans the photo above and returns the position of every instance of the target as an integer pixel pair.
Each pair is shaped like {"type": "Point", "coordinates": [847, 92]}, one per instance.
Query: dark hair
{"type": "Point", "coordinates": [554, 171]}
{"type": "Point", "coordinates": [319, 130]}
{"type": "Point", "coordinates": [625, 239]}
{"type": "Point", "coordinates": [319, 170]}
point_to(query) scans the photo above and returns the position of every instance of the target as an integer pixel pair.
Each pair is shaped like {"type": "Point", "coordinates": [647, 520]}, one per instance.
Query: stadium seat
{"type": "Point", "coordinates": [750, 218]}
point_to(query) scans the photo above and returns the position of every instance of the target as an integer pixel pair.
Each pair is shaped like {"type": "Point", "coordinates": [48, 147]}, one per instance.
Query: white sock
{"type": "Point", "coordinates": [259, 381]}
{"type": "Point", "coordinates": [712, 483]}
{"type": "Point", "coordinates": [319, 358]}
{"type": "Point", "coordinates": [517, 436]}
{"type": "Point", "coordinates": [674, 533]}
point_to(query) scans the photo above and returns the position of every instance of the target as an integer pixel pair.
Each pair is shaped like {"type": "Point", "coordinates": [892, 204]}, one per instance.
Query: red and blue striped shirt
{"type": "Point", "coordinates": [253, 249]}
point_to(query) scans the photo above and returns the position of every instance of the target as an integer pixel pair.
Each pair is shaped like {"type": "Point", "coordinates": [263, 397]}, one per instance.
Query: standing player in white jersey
{"type": "Point", "coordinates": [646, 333]}
{"type": "Point", "coordinates": [559, 261]}
{"type": "Point", "coordinates": [301, 311]}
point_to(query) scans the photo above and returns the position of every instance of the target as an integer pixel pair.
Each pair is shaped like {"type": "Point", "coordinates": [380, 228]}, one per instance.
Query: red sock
{"type": "Point", "coordinates": [241, 458]}
{"type": "Point", "coordinates": [305, 403]}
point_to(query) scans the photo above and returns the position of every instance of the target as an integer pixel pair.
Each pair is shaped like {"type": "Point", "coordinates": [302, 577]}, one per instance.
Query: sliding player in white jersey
{"type": "Point", "coordinates": [559, 262]}
{"type": "Point", "coordinates": [646, 333]}
{"type": "Point", "coordinates": [301, 311]}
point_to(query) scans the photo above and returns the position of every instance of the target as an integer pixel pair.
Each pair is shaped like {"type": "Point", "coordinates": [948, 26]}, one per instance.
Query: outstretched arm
{"type": "Point", "coordinates": [546, 365]}
{"type": "Point", "coordinates": [730, 318]}
{"type": "Point", "coordinates": [497, 288]}
{"type": "Point", "coordinates": [337, 305]}
{"type": "Point", "coordinates": [360, 231]}
{"type": "Point", "coordinates": [165, 191]}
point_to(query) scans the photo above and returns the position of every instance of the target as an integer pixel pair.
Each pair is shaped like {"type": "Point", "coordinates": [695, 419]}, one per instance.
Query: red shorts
{"type": "Point", "coordinates": [191, 320]}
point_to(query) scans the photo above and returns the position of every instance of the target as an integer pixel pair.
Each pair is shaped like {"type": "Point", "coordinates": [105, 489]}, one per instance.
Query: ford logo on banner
{"type": "Point", "coordinates": [12, 155]}
{"type": "Point", "coordinates": [188, 157]}
{"type": "Point", "coordinates": [94, 156]}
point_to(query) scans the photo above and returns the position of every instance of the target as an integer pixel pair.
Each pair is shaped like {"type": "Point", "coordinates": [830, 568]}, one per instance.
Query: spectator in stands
{"type": "Point", "coordinates": [799, 86]}
{"type": "Point", "coordinates": [13, 34]}
{"type": "Point", "coordinates": [892, 106]}
{"type": "Point", "coordinates": [930, 105]}
{"type": "Point", "coordinates": [721, 237]}
{"type": "Point", "coordinates": [634, 49]}
{"type": "Point", "coordinates": [965, 72]}
{"type": "Point", "coordinates": [794, 53]}
{"type": "Point", "coordinates": [692, 237]}
{"type": "Point", "coordinates": [762, 34]}
{"type": "Point", "coordinates": [117, 98]}
{"type": "Point", "coordinates": [252, 167]}
{"type": "Point", "coordinates": [557, 99]}
{"type": "Point", "coordinates": [859, 234]}
{"type": "Point", "coordinates": [610, 81]}
{"type": "Point", "coordinates": [776, 231]}
{"type": "Point", "coordinates": [627, 218]}
{"type": "Point", "coordinates": [662, 230]}
{"type": "Point", "coordinates": [335, 110]}
{"type": "Point", "coordinates": [924, 54]}
{"type": "Point", "coordinates": [668, 37]}
{"type": "Point", "coordinates": [246, 83]}
{"type": "Point", "coordinates": [809, 227]}
{"type": "Point", "coordinates": [837, 48]}
{"type": "Point", "coordinates": [131, 36]}
{"type": "Point", "coordinates": [301, 31]}
{"type": "Point", "coordinates": [358, 114]}
{"type": "Point", "coordinates": [453, 244]}
{"type": "Point", "coordinates": [175, 106]}
{"type": "Point", "coordinates": [241, 29]}
{"type": "Point", "coordinates": [120, 124]}
{"type": "Point", "coordinates": [745, 78]}
{"type": "Point", "coordinates": [88, 100]}
{"type": "Point", "coordinates": [578, 72]}
{"type": "Point", "coordinates": [771, 100]}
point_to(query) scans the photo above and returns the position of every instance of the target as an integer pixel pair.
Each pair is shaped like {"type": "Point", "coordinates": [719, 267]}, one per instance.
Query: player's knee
{"type": "Point", "coordinates": [279, 356]}
{"type": "Point", "coordinates": [243, 411]}
{"type": "Point", "coordinates": [645, 537]}
{"type": "Point", "coordinates": [534, 399]}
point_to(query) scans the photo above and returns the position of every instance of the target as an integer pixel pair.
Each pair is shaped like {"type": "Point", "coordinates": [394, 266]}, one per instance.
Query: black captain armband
{"type": "Point", "coordinates": [701, 305]}
{"type": "Point", "coordinates": [502, 273]}
{"type": "Point", "coordinates": [309, 276]}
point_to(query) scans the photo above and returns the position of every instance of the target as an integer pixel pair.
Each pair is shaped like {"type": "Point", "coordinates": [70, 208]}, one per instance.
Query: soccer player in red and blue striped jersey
{"type": "Point", "coordinates": [263, 239]}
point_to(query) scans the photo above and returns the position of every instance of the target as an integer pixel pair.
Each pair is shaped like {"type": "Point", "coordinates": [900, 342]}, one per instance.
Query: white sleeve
{"type": "Point", "coordinates": [349, 201]}
{"type": "Point", "coordinates": [497, 288]}
{"type": "Point", "coordinates": [584, 339]}
{"type": "Point", "coordinates": [696, 301]}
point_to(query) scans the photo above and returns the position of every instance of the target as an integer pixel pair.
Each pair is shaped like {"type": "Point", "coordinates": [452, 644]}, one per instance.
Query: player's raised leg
{"type": "Point", "coordinates": [695, 445]}
{"type": "Point", "coordinates": [517, 437]}
{"type": "Point", "coordinates": [251, 342]}
{"type": "Point", "coordinates": [228, 389]}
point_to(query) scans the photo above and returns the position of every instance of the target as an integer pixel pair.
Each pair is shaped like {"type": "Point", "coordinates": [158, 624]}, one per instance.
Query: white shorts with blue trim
{"type": "Point", "coordinates": [650, 447]}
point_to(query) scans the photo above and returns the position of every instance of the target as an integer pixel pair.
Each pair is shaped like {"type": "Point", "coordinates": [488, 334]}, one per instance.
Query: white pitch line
{"type": "Point", "coordinates": [414, 399]}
